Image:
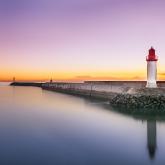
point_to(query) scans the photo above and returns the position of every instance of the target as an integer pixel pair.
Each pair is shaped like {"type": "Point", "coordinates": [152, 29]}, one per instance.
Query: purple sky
{"type": "Point", "coordinates": [69, 38]}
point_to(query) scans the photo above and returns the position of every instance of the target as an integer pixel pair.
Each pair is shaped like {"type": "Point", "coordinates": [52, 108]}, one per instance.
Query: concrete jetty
{"type": "Point", "coordinates": [103, 89]}
{"type": "Point", "coordinates": [125, 94]}
{"type": "Point", "coordinates": [33, 84]}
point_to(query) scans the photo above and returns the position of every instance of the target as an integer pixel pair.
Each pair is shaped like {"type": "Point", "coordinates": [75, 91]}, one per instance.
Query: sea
{"type": "Point", "coordinates": [40, 127]}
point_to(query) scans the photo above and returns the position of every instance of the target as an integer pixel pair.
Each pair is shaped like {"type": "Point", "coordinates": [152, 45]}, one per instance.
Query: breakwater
{"type": "Point", "coordinates": [124, 94]}
{"type": "Point", "coordinates": [34, 84]}
{"type": "Point", "coordinates": [104, 89]}
{"type": "Point", "coordinates": [101, 90]}
{"type": "Point", "coordinates": [144, 100]}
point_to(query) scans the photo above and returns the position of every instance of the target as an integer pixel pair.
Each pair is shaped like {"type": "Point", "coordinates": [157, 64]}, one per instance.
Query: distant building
{"type": "Point", "coordinates": [151, 69]}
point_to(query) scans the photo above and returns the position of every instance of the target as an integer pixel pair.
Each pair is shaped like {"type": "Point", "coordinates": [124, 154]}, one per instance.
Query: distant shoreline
{"type": "Point", "coordinates": [26, 84]}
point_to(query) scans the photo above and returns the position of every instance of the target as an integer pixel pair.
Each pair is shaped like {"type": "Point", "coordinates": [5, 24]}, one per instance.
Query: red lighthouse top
{"type": "Point", "coordinates": [152, 56]}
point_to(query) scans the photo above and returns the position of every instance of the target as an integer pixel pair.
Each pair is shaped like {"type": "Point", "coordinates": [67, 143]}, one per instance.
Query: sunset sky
{"type": "Point", "coordinates": [77, 40]}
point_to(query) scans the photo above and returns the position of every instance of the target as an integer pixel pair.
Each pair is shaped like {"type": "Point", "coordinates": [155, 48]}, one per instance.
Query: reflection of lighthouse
{"type": "Point", "coordinates": [151, 69]}
{"type": "Point", "coordinates": [151, 137]}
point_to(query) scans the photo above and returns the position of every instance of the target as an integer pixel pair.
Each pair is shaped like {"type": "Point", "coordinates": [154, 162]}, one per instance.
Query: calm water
{"type": "Point", "coordinates": [42, 127]}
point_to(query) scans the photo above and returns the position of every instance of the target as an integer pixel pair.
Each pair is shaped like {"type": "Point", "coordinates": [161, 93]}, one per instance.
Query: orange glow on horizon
{"type": "Point", "coordinates": [76, 76]}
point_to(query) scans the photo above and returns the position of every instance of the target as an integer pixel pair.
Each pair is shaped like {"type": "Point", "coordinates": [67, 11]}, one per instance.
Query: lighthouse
{"type": "Point", "coordinates": [151, 69]}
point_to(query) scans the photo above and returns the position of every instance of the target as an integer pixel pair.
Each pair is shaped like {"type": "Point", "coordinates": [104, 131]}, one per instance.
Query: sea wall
{"type": "Point", "coordinates": [127, 94]}
{"type": "Point", "coordinates": [33, 84]}
{"type": "Point", "coordinates": [83, 89]}
{"type": "Point", "coordinates": [98, 88]}
{"type": "Point", "coordinates": [104, 90]}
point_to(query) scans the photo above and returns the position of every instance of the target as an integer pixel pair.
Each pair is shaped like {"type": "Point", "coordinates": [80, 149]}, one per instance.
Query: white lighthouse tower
{"type": "Point", "coordinates": [151, 69]}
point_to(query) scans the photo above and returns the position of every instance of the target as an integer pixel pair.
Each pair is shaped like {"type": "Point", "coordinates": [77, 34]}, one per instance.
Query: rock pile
{"type": "Point", "coordinates": [147, 103]}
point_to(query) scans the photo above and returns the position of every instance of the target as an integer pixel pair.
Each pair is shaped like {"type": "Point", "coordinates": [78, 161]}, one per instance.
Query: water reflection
{"type": "Point", "coordinates": [38, 126]}
{"type": "Point", "coordinates": [151, 127]}
{"type": "Point", "coordinates": [151, 137]}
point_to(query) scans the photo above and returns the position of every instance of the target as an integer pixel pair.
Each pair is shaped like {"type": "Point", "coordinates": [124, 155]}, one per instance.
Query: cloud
{"type": "Point", "coordinates": [161, 74]}
{"type": "Point", "coordinates": [137, 78]}
{"type": "Point", "coordinates": [105, 78]}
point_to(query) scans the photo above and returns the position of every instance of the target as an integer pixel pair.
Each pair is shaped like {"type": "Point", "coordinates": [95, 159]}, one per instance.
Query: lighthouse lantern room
{"type": "Point", "coordinates": [151, 69]}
